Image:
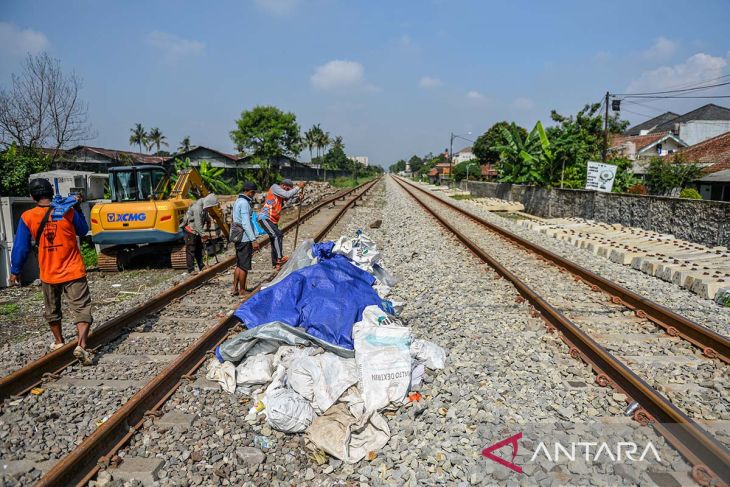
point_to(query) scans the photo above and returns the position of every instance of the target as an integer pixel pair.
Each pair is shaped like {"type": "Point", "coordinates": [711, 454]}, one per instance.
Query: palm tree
{"type": "Point", "coordinates": [156, 138]}
{"type": "Point", "coordinates": [323, 141]}
{"type": "Point", "coordinates": [138, 137]}
{"type": "Point", "coordinates": [310, 139]}
{"type": "Point", "coordinates": [184, 144]}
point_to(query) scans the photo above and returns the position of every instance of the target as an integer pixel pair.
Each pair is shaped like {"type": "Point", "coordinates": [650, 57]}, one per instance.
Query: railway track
{"type": "Point", "coordinates": [612, 335]}
{"type": "Point", "coordinates": [65, 420]}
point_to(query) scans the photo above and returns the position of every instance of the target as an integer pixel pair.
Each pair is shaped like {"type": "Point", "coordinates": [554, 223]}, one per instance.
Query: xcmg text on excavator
{"type": "Point", "coordinates": [140, 220]}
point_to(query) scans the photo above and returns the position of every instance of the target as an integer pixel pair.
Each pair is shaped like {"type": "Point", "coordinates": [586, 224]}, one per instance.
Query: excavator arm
{"type": "Point", "coordinates": [189, 179]}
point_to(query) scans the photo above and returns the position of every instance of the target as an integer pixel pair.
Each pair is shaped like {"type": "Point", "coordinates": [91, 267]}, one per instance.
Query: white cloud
{"type": "Point", "coordinates": [278, 7]}
{"type": "Point", "coordinates": [523, 104]}
{"type": "Point", "coordinates": [17, 42]}
{"type": "Point", "coordinates": [172, 47]}
{"type": "Point", "coordinates": [339, 75]}
{"type": "Point", "coordinates": [429, 82]}
{"type": "Point", "coordinates": [694, 70]}
{"type": "Point", "coordinates": [662, 48]}
{"type": "Point", "coordinates": [476, 96]}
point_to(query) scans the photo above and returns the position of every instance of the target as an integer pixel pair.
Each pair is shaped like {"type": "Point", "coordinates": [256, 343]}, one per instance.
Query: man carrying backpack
{"type": "Point", "coordinates": [51, 228]}
{"type": "Point", "coordinates": [244, 237]}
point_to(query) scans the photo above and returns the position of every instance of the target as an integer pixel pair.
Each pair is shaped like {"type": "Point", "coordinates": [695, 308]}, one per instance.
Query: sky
{"type": "Point", "coordinates": [392, 78]}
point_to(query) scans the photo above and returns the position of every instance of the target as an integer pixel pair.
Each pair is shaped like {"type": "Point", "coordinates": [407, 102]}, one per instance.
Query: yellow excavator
{"type": "Point", "coordinates": [141, 220]}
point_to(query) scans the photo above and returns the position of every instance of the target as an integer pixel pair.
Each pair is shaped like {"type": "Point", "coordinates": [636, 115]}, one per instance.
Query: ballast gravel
{"type": "Point", "coordinates": [504, 375]}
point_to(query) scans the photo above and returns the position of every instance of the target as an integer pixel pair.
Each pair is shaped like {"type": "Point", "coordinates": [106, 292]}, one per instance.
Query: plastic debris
{"type": "Point", "coordinates": [37, 391]}
{"type": "Point", "coordinates": [262, 442]}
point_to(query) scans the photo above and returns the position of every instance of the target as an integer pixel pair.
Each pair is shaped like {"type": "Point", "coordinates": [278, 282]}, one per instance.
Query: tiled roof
{"type": "Point", "coordinates": [433, 172]}
{"type": "Point", "coordinates": [652, 123]}
{"type": "Point", "coordinates": [706, 112]}
{"type": "Point", "coordinates": [641, 141]}
{"type": "Point", "coordinates": [116, 155]}
{"type": "Point", "coordinates": [232, 157]}
{"type": "Point", "coordinates": [488, 170]}
{"type": "Point", "coordinates": [714, 151]}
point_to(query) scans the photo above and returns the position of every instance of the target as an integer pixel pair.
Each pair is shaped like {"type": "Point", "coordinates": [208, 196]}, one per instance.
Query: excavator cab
{"type": "Point", "coordinates": [136, 183]}
{"type": "Point", "coordinates": [143, 219]}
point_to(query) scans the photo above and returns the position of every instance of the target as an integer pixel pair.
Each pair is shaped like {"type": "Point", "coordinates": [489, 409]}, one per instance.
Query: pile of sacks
{"type": "Point", "coordinates": [324, 352]}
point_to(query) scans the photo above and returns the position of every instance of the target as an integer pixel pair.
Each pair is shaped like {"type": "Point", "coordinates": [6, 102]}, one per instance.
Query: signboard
{"type": "Point", "coordinates": [600, 176]}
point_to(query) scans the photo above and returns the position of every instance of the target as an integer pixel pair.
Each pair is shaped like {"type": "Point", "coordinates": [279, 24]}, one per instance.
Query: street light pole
{"type": "Point", "coordinates": [451, 157]}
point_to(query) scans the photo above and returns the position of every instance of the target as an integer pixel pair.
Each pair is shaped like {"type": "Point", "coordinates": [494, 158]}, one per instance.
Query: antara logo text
{"type": "Point", "coordinates": [591, 451]}
{"type": "Point", "coordinates": [125, 217]}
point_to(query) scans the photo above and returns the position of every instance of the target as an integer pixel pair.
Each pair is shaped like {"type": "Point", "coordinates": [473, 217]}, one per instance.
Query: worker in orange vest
{"type": "Point", "coordinates": [270, 214]}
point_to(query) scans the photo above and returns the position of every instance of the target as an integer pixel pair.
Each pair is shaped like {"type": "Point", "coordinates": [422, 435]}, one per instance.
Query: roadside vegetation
{"type": "Point", "coordinates": [558, 155]}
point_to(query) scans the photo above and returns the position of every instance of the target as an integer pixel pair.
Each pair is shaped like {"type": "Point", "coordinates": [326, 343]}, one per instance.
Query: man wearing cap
{"type": "Point", "coordinates": [194, 224]}
{"type": "Point", "coordinates": [51, 229]}
{"type": "Point", "coordinates": [269, 217]}
{"type": "Point", "coordinates": [246, 246]}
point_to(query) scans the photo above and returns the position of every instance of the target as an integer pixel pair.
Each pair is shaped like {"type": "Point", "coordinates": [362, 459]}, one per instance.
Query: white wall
{"type": "Point", "coordinates": [463, 157]}
{"type": "Point", "coordinates": [696, 131]}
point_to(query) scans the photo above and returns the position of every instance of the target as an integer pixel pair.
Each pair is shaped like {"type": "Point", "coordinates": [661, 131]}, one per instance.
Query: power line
{"type": "Point", "coordinates": [686, 90]}
{"type": "Point", "coordinates": [679, 97]}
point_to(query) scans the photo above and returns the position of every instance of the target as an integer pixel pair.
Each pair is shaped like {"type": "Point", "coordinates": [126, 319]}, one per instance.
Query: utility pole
{"type": "Point", "coordinates": [605, 132]}
{"type": "Point", "coordinates": [451, 158]}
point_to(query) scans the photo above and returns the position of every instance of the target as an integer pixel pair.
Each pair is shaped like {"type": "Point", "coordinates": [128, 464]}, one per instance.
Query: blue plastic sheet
{"type": "Point", "coordinates": [325, 299]}
{"type": "Point", "coordinates": [323, 250]}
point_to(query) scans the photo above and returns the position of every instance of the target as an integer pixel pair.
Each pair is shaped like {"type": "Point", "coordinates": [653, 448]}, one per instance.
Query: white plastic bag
{"type": "Point", "coordinates": [287, 411]}
{"type": "Point", "coordinates": [382, 354]}
{"type": "Point", "coordinates": [300, 258]}
{"type": "Point", "coordinates": [222, 373]}
{"type": "Point", "coordinates": [321, 379]}
{"type": "Point", "coordinates": [361, 250]}
{"type": "Point", "coordinates": [254, 370]}
{"type": "Point", "coordinates": [433, 356]}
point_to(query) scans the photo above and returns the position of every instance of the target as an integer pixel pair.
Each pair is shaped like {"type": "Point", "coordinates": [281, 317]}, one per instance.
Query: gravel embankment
{"type": "Point", "coordinates": [504, 374]}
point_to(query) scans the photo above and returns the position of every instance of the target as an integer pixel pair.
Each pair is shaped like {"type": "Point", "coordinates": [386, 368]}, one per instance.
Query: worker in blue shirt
{"type": "Point", "coordinates": [247, 243]}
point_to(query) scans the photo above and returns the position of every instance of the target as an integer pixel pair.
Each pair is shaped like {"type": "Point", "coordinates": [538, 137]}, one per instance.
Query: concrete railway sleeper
{"type": "Point", "coordinates": [99, 448]}
{"type": "Point", "coordinates": [710, 459]}
{"type": "Point", "coordinates": [712, 344]}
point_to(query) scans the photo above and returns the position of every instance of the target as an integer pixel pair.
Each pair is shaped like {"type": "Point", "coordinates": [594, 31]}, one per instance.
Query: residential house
{"type": "Point", "coordinates": [440, 172]}
{"type": "Point", "coordinates": [713, 156]}
{"type": "Point", "coordinates": [99, 160]}
{"type": "Point", "coordinates": [465, 154]}
{"type": "Point", "coordinates": [636, 147]}
{"type": "Point", "coordinates": [364, 160]}
{"type": "Point", "coordinates": [693, 127]}
{"type": "Point", "coordinates": [489, 171]}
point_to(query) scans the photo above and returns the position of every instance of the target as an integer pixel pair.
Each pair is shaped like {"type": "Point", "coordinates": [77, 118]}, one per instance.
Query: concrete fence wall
{"type": "Point", "coordinates": [701, 221]}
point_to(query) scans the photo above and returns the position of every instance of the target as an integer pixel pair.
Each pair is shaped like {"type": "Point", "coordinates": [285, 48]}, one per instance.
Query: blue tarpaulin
{"type": "Point", "coordinates": [325, 299]}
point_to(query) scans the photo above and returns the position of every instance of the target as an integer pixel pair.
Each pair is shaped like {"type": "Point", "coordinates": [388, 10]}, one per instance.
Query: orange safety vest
{"type": "Point", "coordinates": [272, 207]}
{"type": "Point", "coordinates": [59, 258]}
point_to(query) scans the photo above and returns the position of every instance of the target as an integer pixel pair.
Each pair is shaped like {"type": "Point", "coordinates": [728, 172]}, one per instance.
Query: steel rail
{"type": "Point", "coordinates": [710, 459]}
{"type": "Point", "coordinates": [99, 448]}
{"type": "Point", "coordinates": [50, 365]}
{"type": "Point", "coordinates": [712, 344]}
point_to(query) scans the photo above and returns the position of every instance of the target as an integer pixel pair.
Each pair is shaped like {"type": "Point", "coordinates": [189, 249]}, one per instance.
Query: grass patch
{"type": "Point", "coordinates": [349, 182]}
{"type": "Point", "coordinates": [462, 196]}
{"type": "Point", "coordinates": [9, 309]}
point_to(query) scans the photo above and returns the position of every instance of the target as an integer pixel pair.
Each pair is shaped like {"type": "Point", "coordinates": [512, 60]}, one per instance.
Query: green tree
{"type": "Point", "coordinates": [310, 140]}
{"type": "Point", "coordinates": [138, 137]}
{"type": "Point", "coordinates": [336, 158]}
{"type": "Point", "coordinates": [522, 161]}
{"type": "Point", "coordinates": [485, 146]}
{"type": "Point", "coordinates": [472, 168]}
{"type": "Point", "coordinates": [398, 166]}
{"type": "Point", "coordinates": [267, 133]}
{"type": "Point", "coordinates": [665, 176]}
{"type": "Point", "coordinates": [156, 138]}
{"type": "Point", "coordinates": [576, 140]}
{"type": "Point", "coordinates": [416, 163]}
{"type": "Point", "coordinates": [184, 144]}
{"type": "Point", "coordinates": [16, 165]}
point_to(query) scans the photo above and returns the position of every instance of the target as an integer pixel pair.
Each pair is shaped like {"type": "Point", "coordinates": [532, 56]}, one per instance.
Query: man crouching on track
{"type": "Point", "coordinates": [194, 223]}
{"type": "Point", "coordinates": [269, 217]}
{"type": "Point", "coordinates": [51, 229]}
{"type": "Point", "coordinates": [245, 240]}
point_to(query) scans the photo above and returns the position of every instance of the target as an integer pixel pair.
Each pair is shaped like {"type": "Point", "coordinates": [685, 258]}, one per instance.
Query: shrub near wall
{"type": "Point", "coordinates": [701, 221]}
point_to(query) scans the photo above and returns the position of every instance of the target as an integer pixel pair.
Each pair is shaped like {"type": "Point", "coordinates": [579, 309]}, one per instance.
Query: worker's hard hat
{"type": "Point", "coordinates": [287, 182]}
{"type": "Point", "coordinates": [210, 201]}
